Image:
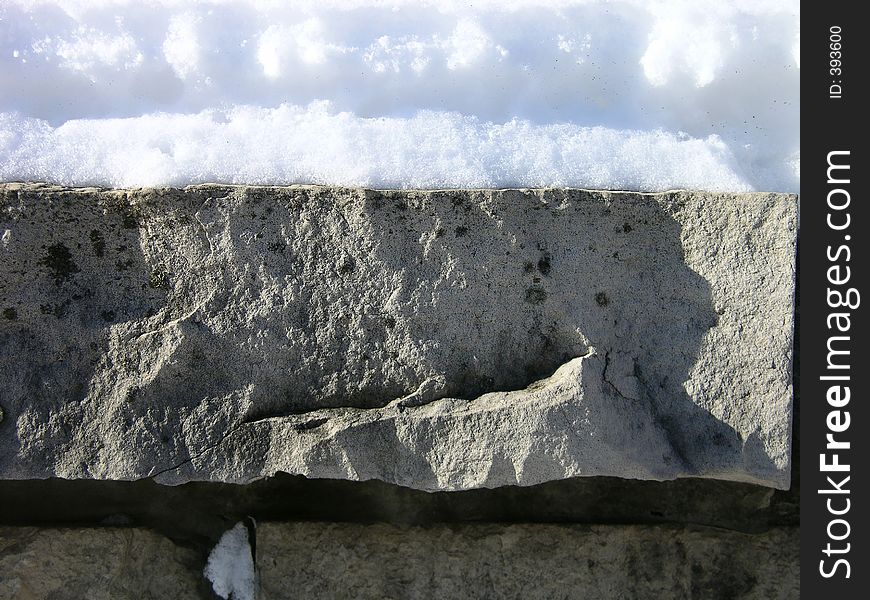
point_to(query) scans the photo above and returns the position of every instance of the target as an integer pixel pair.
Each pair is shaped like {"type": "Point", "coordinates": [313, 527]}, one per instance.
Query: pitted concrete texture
{"type": "Point", "coordinates": [439, 340]}
{"type": "Point", "coordinates": [350, 560]}
{"type": "Point", "coordinates": [95, 563]}
{"type": "Point", "coordinates": [337, 560]}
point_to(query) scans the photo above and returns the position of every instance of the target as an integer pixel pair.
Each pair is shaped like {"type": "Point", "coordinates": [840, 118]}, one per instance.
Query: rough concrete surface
{"type": "Point", "coordinates": [317, 560]}
{"type": "Point", "coordinates": [98, 564]}
{"type": "Point", "coordinates": [439, 340]}
{"type": "Point", "coordinates": [348, 560]}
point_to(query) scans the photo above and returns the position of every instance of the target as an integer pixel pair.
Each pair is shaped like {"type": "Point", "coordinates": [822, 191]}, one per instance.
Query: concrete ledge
{"type": "Point", "coordinates": [440, 340]}
{"type": "Point", "coordinates": [99, 564]}
{"type": "Point", "coordinates": [523, 561]}
{"type": "Point", "coordinates": [342, 560]}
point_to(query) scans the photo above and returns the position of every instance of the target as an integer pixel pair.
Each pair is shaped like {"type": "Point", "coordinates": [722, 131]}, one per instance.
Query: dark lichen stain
{"type": "Point", "coordinates": [535, 295]}
{"type": "Point", "coordinates": [390, 322]}
{"type": "Point", "coordinates": [461, 231]}
{"type": "Point", "coordinates": [347, 266]}
{"type": "Point", "coordinates": [439, 232]}
{"type": "Point", "coordinates": [10, 313]}
{"type": "Point", "coordinates": [528, 266]}
{"type": "Point", "coordinates": [59, 261]}
{"type": "Point", "coordinates": [108, 315]}
{"type": "Point", "coordinates": [276, 247]}
{"type": "Point", "coordinates": [129, 221]}
{"type": "Point", "coordinates": [601, 299]}
{"type": "Point", "coordinates": [626, 228]}
{"type": "Point", "coordinates": [58, 310]}
{"type": "Point", "coordinates": [98, 243]}
{"type": "Point", "coordinates": [544, 265]}
{"type": "Point", "coordinates": [158, 280]}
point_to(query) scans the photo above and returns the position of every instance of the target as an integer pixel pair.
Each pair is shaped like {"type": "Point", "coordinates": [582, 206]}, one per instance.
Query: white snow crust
{"type": "Point", "coordinates": [629, 94]}
{"type": "Point", "coordinates": [230, 567]}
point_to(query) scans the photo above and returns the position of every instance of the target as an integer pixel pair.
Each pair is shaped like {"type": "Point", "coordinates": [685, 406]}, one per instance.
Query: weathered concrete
{"type": "Point", "coordinates": [316, 560]}
{"type": "Point", "coordinates": [98, 564]}
{"type": "Point", "coordinates": [341, 560]}
{"type": "Point", "coordinates": [438, 340]}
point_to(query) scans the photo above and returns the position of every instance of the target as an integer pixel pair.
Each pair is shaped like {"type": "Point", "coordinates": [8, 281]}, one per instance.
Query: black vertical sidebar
{"type": "Point", "coordinates": [833, 370]}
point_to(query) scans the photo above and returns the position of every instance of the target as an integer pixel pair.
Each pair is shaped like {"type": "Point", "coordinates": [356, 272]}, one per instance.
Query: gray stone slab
{"type": "Point", "coordinates": [439, 340]}
{"type": "Point", "coordinates": [96, 563]}
{"type": "Point", "coordinates": [340, 560]}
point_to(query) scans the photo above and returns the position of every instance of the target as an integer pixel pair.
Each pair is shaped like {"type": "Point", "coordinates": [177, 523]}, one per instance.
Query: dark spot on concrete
{"type": "Point", "coordinates": [129, 221]}
{"type": "Point", "coordinates": [10, 313]}
{"type": "Point", "coordinates": [626, 227]}
{"type": "Point", "coordinates": [158, 280]}
{"type": "Point", "coordinates": [544, 265]}
{"type": "Point", "coordinates": [528, 267]}
{"type": "Point", "coordinates": [347, 266]}
{"type": "Point", "coordinates": [98, 243]}
{"type": "Point", "coordinates": [58, 310]}
{"type": "Point", "coordinates": [535, 295]}
{"type": "Point", "coordinates": [461, 231]}
{"type": "Point", "coordinates": [601, 299]}
{"type": "Point", "coordinates": [59, 261]}
{"type": "Point", "coordinates": [108, 315]}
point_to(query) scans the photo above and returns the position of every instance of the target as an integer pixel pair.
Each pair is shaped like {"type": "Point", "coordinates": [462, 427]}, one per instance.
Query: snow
{"type": "Point", "coordinates": [230, 567]}
{"type": "Point", "coordinates": [628, 94]}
